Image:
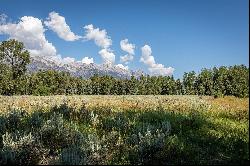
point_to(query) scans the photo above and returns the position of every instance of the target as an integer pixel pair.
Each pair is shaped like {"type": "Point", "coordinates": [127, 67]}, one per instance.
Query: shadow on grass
{"type": "Point", "coordinates": [146, 136]}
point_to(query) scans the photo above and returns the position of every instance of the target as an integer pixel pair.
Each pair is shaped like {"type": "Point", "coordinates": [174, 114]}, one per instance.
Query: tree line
{"type": "Point", "coordinates": [14, 80]}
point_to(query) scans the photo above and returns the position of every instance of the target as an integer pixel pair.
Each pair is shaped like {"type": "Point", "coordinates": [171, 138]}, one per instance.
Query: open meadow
{"type": "Point", "coordinates": [132, 129]}
{"type": "Point", "coordinates": [124, 82]}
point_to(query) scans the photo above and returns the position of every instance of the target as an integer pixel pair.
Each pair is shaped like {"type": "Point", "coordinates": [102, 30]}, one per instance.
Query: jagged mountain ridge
{"type": "Point", "coordinates": [79, 69]}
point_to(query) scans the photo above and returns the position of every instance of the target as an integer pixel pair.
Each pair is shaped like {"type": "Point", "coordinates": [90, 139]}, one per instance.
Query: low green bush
{"type": "Point", "coordinates": [100, 136]}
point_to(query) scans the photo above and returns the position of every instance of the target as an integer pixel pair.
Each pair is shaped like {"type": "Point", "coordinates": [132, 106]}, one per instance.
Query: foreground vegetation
{"type": "Point", "coordinates": [124, 130]}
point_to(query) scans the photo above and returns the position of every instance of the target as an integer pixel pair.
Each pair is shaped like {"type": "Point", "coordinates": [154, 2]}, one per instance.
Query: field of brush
{"type": "Point", "coordinates": [124, 130]}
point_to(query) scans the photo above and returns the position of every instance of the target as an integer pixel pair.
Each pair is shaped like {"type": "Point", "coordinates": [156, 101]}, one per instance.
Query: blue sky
{"type": "Point", "coordinates": [184, 34]}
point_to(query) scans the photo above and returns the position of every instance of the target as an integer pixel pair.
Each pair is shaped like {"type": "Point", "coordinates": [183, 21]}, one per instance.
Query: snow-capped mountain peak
{"type": "Point", "coordinates": [80, 69]}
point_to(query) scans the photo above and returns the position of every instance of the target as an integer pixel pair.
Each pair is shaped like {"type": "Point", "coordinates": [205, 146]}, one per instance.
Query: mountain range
{"type": "Point", "coordinates": [80, 69]}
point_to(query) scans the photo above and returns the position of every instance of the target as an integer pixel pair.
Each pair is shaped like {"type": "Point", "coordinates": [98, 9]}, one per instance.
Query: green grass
{"type": "Point", "coordinates": [124, 130]}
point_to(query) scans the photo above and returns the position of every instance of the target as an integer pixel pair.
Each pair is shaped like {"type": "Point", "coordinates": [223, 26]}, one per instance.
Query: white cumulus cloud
{"type": "Point", "coordinates": [30, 31]}
{"type": "Point", "coordinates": [102, 40]}
{"type": "Point", "coordinates": [87, 60]}
{"type": "Point", "coordinates": [57, 23]}
{"type": "Point", "coordinates": [146, 57]}
{"type": "Point", "coordinates": [127, 47]}
{"type": "Point", "coordinates": [122, 67]}
{"type": "Point", "coordinates": [68, 60]}
{"type": "Point", "coordinates": [99, 36]}
{"type": "Point", "coordinates": [154, 68]}
{"type": "Point", "coordinates": [126, 58]}
{"type": "Point", "coordinates": [159, 69]}
{"type": "Point", "coordinates": [107, 55]}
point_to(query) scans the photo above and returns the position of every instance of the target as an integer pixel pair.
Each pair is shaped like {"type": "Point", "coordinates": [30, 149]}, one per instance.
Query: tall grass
{"type": "Point", "coordinates": [124, 130]}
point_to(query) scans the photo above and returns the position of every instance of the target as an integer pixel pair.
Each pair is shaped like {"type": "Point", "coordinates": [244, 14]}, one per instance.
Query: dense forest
{"type": "Point", "coordinates": [14, 80]}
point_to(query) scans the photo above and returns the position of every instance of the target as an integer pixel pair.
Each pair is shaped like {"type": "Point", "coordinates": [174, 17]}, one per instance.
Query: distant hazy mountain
{"type": "Point", "coordinates": [79, 69]}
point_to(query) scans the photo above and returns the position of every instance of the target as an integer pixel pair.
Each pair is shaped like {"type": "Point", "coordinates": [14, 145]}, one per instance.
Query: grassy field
{"type": "Point", "coordinates": [124, 130]}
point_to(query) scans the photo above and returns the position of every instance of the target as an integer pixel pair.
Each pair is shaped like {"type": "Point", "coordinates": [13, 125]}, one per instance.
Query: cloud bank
{"type": "Point", "coordinates": [31, 32]}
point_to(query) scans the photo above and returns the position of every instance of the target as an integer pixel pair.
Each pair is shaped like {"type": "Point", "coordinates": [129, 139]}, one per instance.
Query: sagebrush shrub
{"type": "Point", "coordinates": [21, 149]}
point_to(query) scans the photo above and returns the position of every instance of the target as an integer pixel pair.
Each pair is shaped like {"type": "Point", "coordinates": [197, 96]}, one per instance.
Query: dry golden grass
{"type": "Point", "coordinates": [232, 105]}
{"type": "Point", "coordinates": [231, 102]}
{"type": "Point", "coordinates": [124, 102]}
